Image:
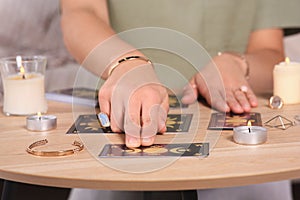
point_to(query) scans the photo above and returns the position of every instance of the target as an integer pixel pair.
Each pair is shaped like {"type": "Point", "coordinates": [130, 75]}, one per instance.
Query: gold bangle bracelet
{"type": "Point", "coordinates": [115, 65]}
{"type": "Point", "coordinates": [30, 149]}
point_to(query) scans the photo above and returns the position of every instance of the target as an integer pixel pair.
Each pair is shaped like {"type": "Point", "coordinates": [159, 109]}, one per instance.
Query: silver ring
{"type": "Point", "coordinates": [103, 119]}
{"type": "Point", "coordinates": [243, 89]}
{"type": "Point", "coordinates": [194, 86]}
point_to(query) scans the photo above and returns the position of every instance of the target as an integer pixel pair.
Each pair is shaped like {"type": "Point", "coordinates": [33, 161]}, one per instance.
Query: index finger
{"type": "Point", "coordinates": [150, 123]}
{"type": "Point", "coordinates": [132, 125]}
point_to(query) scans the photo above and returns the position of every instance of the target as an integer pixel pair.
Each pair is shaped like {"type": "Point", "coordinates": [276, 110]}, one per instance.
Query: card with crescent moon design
{"type": "Point", "coordinates": [183, 149]}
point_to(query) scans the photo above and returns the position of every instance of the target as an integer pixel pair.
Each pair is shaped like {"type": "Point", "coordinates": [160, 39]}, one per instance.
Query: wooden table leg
{"type": "Point", "coordinates": [8, 191]}
{"type": "Point", "coordinates": [16, 190]}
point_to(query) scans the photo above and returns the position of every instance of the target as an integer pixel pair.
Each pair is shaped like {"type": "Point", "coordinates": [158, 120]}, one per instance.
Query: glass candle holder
{"type": "Point", "coordinates": [23, 79]}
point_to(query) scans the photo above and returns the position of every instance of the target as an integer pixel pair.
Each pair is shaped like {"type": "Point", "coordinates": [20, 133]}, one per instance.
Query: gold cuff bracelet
{"type": "Point", "coordinates": [30, 149]}
{"type": "Point", "coordinates": [115, 65]}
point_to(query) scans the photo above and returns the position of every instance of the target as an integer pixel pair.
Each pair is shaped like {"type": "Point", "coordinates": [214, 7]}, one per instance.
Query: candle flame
{"type": "Point", "coordinates": [39, 114]}
{"type": "Point", "coordinates": [22, 70]}
{"type": "Point", "coordinates": [19, 64]}
{"type": "Point", "coordinates": [287, 60]}
{"type": "Point", "coordinates": [249, 123]}
{"type": "Point", "coordinates": [249, 126]}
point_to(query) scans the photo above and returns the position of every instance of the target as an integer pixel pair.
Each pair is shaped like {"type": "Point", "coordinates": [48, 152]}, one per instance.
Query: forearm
{"type": "Point", "coordinates": [261, 64]}
{"type": "Point", "coordinates": [90, 39]}
{"type": "Point", "coordinates": [82, 32]}
{"type": "Point", "coordinates": [265, 49]}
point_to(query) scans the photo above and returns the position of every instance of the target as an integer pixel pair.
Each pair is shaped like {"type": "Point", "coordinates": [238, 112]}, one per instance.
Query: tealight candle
{"type": "Point", "coordinates": [249, 135]}
{"type": "Point", "coordinates": [286, 77]}
{"type": "Point", "coordinates": [41, 122]}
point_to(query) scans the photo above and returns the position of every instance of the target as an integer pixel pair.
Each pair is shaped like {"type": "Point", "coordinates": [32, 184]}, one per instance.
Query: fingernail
{"type": "Point", "coordinates": [185, 98]}
{"type": "Point", "coordinates": [146, 140]}
{"type": "Point", "coordinates": [246, 106]}
{"type": "Point", "coordinates": [227, 108]}
{"type": "Point", "coordinates": [133, 140]}
{"type": "Point", "coordinates": [163, 122]}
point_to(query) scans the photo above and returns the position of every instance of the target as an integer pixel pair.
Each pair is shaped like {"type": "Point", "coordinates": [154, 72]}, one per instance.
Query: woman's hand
{"type": "Point", "coordinates": [136, 103]}
{"type": "Point", "coordinates": [223, 84]}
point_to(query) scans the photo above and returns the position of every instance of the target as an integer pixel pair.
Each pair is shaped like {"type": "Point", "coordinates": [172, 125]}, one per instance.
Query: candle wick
{"type": "Point", "coordinates": [20, 66]}
{"type": "Point", "coordinates": [249, 129]}
{"type": "Point", "coordinates": [40, 117]}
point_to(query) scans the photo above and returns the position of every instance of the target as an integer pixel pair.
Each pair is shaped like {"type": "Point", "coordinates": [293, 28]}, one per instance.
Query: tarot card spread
{"type": "Point", "coordinates": [157, 150]}
{"type": "Point", "coordinates": [90, 124]}
{"type": "Point", "coordinates": [222, 121]}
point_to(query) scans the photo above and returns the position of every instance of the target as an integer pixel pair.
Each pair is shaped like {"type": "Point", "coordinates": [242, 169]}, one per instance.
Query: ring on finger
{"type": "Point", "coordinates": [103, 119]}
{"type": "Point", "coordinates": [243, 89]}
{"type": "Point", "coordinates": [194, 86]}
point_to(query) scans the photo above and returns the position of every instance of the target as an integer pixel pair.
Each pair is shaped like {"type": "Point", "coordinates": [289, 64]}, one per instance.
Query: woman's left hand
{"type": "Point", "coordinates": [223, 85]}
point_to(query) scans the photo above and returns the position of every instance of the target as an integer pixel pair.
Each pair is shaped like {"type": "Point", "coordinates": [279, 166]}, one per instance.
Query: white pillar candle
{"type": "Point", "coordinates": [24, 96]}
{"type": "Point", "coordinates": [286, 77]}
{"type": "Point", "coordinates": [23, 85]}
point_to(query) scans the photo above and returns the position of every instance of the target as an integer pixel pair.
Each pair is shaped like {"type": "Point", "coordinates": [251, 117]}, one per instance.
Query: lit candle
{"type": "Point", "coordinates": [23, 85]}
{"type": "Point", "coordinates": [249, 135]}
{"type": "Point", "coordinates": [286, 77]}
{"type": "Point", "coordinates": [20, 66]}
{"type": "Point", "coordinates": [41, 122]}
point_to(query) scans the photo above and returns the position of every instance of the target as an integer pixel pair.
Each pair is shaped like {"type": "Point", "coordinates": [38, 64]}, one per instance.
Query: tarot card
{"type": "Point", "coordinates": [156, 150]}
{"type": "Point", "coordinates": [179, 122]}
{"type": "Point", "coordinates": [222, 121]}
{"type": "Point", "coordinates": [83, 96]}
{"type": "Point", "coordinates": [89, 97]}
{"type": "Point", "coordinates": [174, 102]}
{"type": "Point", "coordinates": [88, 124]}
{"type": "Point", "coordinates": [91, 124]}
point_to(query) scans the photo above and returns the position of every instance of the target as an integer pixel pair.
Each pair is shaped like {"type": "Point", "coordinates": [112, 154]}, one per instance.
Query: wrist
{"type": "Point", "coordinates": [240, 59]}
{"type": "Point", "coordinates": [125, 63]}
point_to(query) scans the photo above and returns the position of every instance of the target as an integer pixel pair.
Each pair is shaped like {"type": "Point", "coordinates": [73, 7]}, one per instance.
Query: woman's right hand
{"type": "Point", "coordinates": [136, 102]}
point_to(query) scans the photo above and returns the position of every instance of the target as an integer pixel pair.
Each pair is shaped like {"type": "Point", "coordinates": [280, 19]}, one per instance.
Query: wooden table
{"type": "Point", "coordinates": [228, 164]}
